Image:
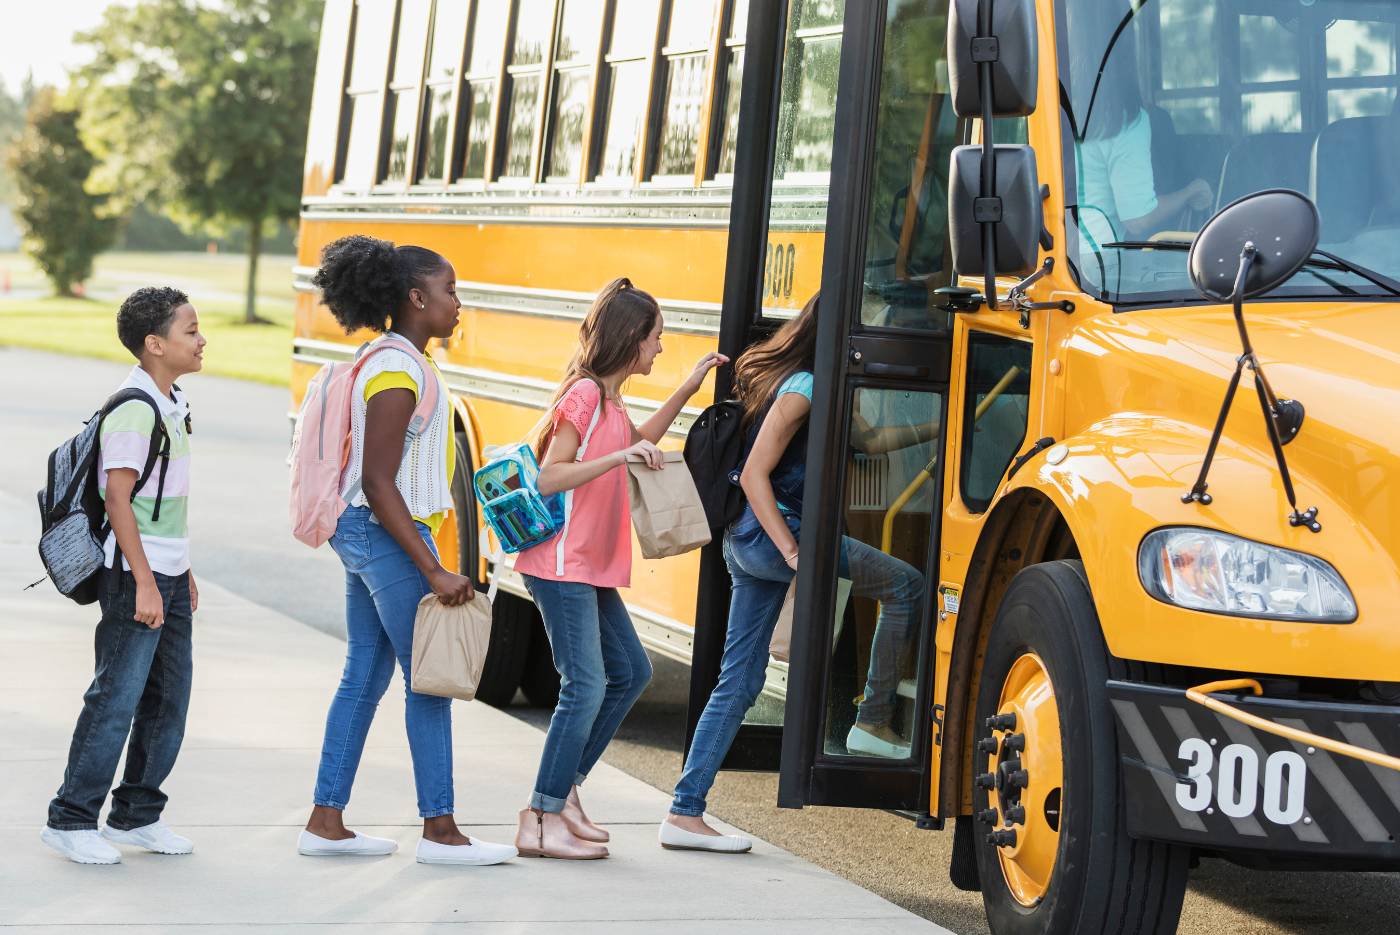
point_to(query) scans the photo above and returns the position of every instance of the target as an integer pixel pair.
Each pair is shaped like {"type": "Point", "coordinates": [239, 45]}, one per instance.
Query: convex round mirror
{"type": "Point", "coordinates": [1282, 224]}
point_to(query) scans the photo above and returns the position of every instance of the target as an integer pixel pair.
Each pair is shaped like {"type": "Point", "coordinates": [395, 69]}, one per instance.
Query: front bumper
{"type": "Point", "coordinates": [1197, 777]}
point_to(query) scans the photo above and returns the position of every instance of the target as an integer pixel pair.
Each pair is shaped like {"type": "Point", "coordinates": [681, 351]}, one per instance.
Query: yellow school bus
{"type": "Point", "coordinates": [1154, 625]}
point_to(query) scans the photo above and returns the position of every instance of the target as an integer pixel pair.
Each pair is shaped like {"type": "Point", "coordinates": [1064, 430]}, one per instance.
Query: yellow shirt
{"type": "Point", "coordinates": [397, 379]}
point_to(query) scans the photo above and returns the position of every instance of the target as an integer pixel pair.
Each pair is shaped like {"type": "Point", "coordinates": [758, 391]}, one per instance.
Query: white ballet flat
{"type": "Point", "coordinates": [361, 845]}
{"type": "Point", "coordinates": [676, 838]}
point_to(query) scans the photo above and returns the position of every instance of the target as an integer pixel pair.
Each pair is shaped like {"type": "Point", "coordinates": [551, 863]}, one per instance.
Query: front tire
{"type": "Point", "coordinates": [1053, 853]}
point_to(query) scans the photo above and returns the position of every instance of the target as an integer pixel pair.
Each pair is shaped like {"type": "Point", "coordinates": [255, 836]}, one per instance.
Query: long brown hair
{"type": "Point", "coordinates": [762, 368]}
{"type": "Point", "coordinates": [609, 340]}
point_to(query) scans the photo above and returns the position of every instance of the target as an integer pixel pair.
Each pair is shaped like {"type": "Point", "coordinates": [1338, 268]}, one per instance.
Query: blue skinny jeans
{"type": "Point", "coordinates": [382, 591]}
{"type": "Point", "coordinates": [761, 579]}
{"type": "Point", "coordinates": [603, 670]}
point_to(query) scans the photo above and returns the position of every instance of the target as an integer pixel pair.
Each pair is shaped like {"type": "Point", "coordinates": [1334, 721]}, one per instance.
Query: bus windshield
{"type": "Point", "coordinates": [1172, 109]}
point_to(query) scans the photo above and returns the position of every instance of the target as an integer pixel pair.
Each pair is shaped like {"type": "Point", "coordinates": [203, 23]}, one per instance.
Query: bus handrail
{"type": "Point", "coordinates": [1201, 695]}
{"type": "Point", "coordinates": [887, 527]}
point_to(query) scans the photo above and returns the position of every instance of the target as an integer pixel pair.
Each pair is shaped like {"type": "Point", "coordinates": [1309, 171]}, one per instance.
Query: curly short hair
{"type": "Point", "coordinates": [364, 280]}
{"type": "Point", "coordinates": [148, 310]}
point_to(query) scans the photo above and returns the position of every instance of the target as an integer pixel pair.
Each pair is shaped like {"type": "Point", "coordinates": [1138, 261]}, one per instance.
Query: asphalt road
{"type": "Point", "coordinates": [240, 540]}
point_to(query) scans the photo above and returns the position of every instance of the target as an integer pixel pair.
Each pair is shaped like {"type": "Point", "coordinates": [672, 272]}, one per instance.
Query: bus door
{"type": "Point", "coordinates": [859, 719]}
{"type": "Point", "coordinates": [854, 726]}
{"type": "Point", "coordinates": [781, 184]}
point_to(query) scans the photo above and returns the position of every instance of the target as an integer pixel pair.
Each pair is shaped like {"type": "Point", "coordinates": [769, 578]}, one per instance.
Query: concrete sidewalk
{"type": "Point", "coordinates": [242, 789]}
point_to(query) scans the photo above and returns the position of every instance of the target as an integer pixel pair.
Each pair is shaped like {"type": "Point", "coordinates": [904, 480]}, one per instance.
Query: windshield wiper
{"type": "Point", "coordinates": [1320, 258]}
{"type": "Point", "coordinates": [1370, 275]}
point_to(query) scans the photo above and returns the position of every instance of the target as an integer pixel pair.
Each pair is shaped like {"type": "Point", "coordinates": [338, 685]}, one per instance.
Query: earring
{"type": "Point", "coordinates": [421, 305]}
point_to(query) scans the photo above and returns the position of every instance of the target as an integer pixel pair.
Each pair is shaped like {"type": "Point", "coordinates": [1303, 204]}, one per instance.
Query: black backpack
{"type": "Point", "coordinates": [73, 520]}
{"type": "Point", "coordinates": [714, 452]}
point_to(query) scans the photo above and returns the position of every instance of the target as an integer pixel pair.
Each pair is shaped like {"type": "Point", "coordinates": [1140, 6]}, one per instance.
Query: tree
{"type": "Point", "coordinates": [205, 107]}
{"type": "Point", "coordinates": [65, 224]}
{"type": "Point", "coordinates": [12, 113]}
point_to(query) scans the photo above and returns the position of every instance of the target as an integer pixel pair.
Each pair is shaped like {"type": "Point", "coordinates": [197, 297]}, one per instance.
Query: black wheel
{"type": "Point", "coordinates": [541, 680]}
{"type": "Point", "coordinates": [1053, 852]}
{"type": "Point", "coordinates": [510, 644]}
{"type": "Point", "coordinates": [510, 624]}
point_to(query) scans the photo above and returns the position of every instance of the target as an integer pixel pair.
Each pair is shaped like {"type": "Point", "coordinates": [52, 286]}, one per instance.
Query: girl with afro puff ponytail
{"type": "Point", "coordinates": [396, 499]}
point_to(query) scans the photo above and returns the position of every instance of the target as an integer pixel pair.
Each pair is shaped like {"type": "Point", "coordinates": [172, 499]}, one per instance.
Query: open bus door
{"type": "Point", "coordinates": [856, 725]}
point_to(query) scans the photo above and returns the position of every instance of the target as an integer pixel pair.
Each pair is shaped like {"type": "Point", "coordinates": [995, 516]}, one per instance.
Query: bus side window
{"type": "Point", "coordinates": [526, 71]}
{"type": "Point", "coordinates": [575, 52]}
{"type": "Point", "coordinates": [364, 94]}
{"type": "Point", "coordinates": [633, 38]}
{"type": "Point", "coordinates": [403, 87]}
{"type": "Point", "coordinates": [995, 409]}
{"type": "Point", "coordinates": [445, 54]}
{"type": "Point", "coordinates": [726, 132]}
{"type": "Point", "coordinates": [479, 88]}
{"type": "Point", "coordinates": [687, 54]}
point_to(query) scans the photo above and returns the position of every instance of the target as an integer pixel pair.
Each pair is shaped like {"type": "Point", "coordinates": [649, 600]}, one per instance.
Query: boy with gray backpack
{"type": "Point", "coordinates": [114, 530]}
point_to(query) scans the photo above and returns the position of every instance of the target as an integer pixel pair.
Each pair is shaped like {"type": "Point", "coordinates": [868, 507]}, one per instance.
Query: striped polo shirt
{"type": "Point", "coordinates": [124, 443]}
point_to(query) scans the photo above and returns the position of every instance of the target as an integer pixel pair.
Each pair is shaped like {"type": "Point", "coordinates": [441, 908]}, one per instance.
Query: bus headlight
{"type": "Point", "coordinates": [1202, 569]}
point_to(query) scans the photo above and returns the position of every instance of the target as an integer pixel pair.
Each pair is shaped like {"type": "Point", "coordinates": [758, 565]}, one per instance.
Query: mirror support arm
{"type": "Point", "coordinates": [987, 209]}
{"type": "Point", "coordinates": [1022, 303]}
{"type": "Point", "coordinates": [1272, 408]}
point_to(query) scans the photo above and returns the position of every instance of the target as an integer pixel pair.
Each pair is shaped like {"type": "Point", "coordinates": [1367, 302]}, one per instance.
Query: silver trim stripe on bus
{"type": "Point", "coordinates": [794, 208]}
{"type": "Point", "coordinates": [701, 318]}
{"type": "Point", "coordinates": [491, 384]}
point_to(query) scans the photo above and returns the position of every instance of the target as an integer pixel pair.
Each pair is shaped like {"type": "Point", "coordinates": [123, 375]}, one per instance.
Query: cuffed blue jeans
{"type": "Point", "coordinates": [382, 591]}
{"type": "Point", "coordinates": [141, 688]}
{"type": "Point", "coordinates": [603, 670]}
{"type": "Point", "coordinates": [760, 582]}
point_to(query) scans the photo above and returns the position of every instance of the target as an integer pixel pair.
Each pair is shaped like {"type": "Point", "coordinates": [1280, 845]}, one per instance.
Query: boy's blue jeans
{"type": "Point", "coordinates": [382, 591]}
{"type": "Point", "coordinates": [760, 582]}
{"type": "Point", "coordinates": [141, 686]}
{"type": "Point", "coordinates": [603, 670]}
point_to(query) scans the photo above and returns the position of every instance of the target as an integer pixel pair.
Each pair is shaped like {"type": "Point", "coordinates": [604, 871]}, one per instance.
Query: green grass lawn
{"type": "Point", "coordinates": [30, 316]}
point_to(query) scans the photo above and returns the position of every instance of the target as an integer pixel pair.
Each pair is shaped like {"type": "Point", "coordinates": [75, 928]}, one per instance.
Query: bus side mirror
{"type": "Point", "coordinates": [1001, 35]}
{"type": "Point", "coordinates": [1014, 213]}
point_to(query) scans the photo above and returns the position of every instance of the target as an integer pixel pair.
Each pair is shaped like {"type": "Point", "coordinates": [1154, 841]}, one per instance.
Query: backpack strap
{"type": "Point", "coordinates": [569, 494]}
{"type": "Point", "coordinates": [159, 447]}
{"type": "Point", "coordinates": [423, 413]}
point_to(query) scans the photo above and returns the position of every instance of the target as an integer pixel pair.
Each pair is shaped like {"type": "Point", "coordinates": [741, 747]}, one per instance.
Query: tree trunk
{"type": "Point", "coordinates": [250, 308]}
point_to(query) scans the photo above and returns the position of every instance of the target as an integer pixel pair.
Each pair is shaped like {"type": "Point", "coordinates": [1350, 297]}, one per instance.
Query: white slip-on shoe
{"type": "Point", "coordinates": [861, 741]}
{"type": "Point", "coordinates": [82, 847]}
{"type": "Point", "coordinates": [476, 854]}
{"type": "Point", "coordinates": [676, 838]}
{"type": "Point", "coordinates": [361, 845]}
{"type": "Point", "coordinates": [155, 837]}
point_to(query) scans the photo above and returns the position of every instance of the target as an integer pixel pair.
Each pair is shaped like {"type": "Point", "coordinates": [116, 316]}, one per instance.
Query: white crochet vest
{"type": "Point", "coordinates": [422, 476]}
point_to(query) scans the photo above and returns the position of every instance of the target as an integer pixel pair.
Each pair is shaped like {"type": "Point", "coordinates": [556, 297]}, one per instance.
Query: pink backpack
{"type": "Point", "coordinates": [321, 442]}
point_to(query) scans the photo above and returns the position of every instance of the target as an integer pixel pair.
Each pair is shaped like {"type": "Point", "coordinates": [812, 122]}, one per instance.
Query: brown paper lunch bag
{"type": "Point", "coordinates": [666, 509]}
{"type": "Point", "coordinates": [449, 646]}
{"type": "Point", "coordinates": [780, 646]}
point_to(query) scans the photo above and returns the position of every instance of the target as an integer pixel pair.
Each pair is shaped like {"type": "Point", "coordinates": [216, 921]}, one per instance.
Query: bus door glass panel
{"type": "Point", "coordinates": [792, 268]}
{"type": "Point", "coordinates": [994, 414]}
{"type": "Point", "coordinates": [871, 702]}
{"type": "Point", "coordinates": [907, 254]}
{"type": "Point", "coordinates": [884, 561]}
{"type": "Point", "coordinates": [798, 213]}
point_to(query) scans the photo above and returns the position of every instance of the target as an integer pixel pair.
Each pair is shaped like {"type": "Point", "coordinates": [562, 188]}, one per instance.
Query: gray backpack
{"type": "Point", "coordinates": [73, 520]}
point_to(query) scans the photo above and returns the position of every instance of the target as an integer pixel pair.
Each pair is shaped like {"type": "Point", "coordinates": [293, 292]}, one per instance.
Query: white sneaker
{"type": "Point", "coordinates": [155, 837]}
{"type": "Point", "coordinates": [675, 838]}
{"type": "Point", "coordinates": [863, 742]}
{"type": "Point", "coordinates": [82, 847]}
{"type": "Point", "coordinates": [476, 854]}
{"type": "Point", "coordinates": [361, 845]}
